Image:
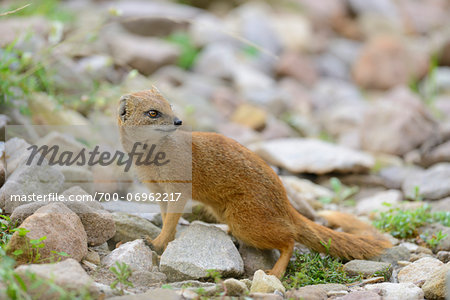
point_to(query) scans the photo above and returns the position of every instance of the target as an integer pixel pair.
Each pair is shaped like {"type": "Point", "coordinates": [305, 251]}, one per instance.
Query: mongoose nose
{"type": "Point", "coordinates": [177, 122]}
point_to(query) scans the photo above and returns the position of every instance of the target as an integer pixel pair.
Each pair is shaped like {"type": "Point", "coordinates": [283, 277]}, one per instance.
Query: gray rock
{"type": "Point", "coordinates": [98, 223]}
{"type": "Point", "coordinates": [395, 176]}
{"type": "Point", "coordinates": [64, 142]}
{"type": "Point", "coordinates": [299, 67]}
{"type": "Point", "coordinates": [312, 156]}
{"type": "Point", "coordinates": [256, 28]}
{"type": "Point", "coordinates": [384, 63]}
{"type": "Point", "coordinates": [430, 230]}
{"type": "Point", "coordinates": [98, 67]}
{"type": "Point", "coordinates": [412, 125]}
{"type": "Point", "coordinates": [433, 183]}
{"type": "Point", "coordinates": [443, 256]}
{"type": "Point", "coordinates": [67, 274]}
{"type": "Point", "coordinates": [266, 296]}
{"type": "Point", "coordinates": [28, 181]}
{"type": "Point", "coordinates": [154, 294]}
{"type": "Point", "coordinates": [434, 287]}
{"type": "Point", "coordinates": [263, 283]}
{"type": "Point", "coordinates": [256, 259]}
{"type": "Point", "coordinates": [440, 205]}
{"type": "Point", "coordinates": [394, 254]}
{"type": "Point", "coordinates": [234, 287]}
{"type": "Point", "coordinates": [358, 295]}
{"type": "Point", "coordinates": [209, 288]}
{"type": "Point", "coordinates": [420, 270]}
{"type": "Point", "coordinates": [376, 202]}
{"type": "Point", "coordinates": [198, 249]}
{"type": "Point", "coordinates": [77, 176]}
{"type": "Point", "coordinates": [15, 152]}
{"type": "Point", "coordinates": [141, 278]}
{"type": "Point", "coordinates": [440, 153]}
{"type": "Point", "coordinates": [316, 292]}
{"type": "Point", "coordinates": [310, 292]}
{"type": "Point", "coordinates": [154, 18]}
{"type": "Point", "coordinates": [78, 194]}
{"type": "Point", "coordinates": [333, 93]}
{"type": "Point", "coordinates": [394, 291]}
{"type": "Point", "coordinates": [368, 268]}
{"type": "Point", "coordinates": [331, 66]}
{"type": "Point", "coordinates": [145, 54]}
{"type": "Point", "coordinates": [130, 227]}
{"type": "Point", "coordinates": [62, 228]}
{"type": "Point", "coordinates": [384, 8]}
{"type": "Point", "coordinates": [216, 60]}
{"type": "Point", "coordinates": [135, 254]}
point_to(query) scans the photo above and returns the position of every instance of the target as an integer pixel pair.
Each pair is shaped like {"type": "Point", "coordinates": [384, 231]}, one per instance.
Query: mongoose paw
{"type": "Point", "coordinates": [148, 242]}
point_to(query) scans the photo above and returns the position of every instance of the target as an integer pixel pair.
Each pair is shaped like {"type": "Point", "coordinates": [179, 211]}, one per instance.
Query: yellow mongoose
{"type": "Point", "coordinates": [240, 188]}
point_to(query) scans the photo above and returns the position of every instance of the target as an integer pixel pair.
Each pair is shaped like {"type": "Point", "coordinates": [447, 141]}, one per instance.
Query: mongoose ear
{"type": "Point", "coordinates": [123, 107]}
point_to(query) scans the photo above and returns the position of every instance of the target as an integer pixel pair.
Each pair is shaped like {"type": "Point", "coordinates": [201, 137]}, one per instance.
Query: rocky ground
{"type": "Point", "coordinates": [348, 100]}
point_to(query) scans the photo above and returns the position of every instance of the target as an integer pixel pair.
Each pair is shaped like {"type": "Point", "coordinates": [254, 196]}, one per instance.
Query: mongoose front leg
{"type": "Point", "coordinates": [167, 233]}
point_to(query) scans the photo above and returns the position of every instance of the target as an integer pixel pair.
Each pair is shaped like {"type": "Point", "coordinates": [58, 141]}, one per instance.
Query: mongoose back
{"type": "Point", "coordinates": [242, 191]}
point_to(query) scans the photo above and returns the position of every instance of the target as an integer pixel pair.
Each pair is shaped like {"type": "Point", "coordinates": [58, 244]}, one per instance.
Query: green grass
{"type": "Point", "coordinates": [405, 223]}
{"type": "Point", "coordinates": [315, 268]}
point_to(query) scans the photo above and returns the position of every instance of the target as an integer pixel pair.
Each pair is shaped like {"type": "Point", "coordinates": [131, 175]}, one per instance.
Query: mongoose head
{"type": "Point", "coordinates": [147, 108]}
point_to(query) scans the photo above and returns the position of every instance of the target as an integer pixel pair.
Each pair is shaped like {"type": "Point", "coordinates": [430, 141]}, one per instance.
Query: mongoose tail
{"type": "Point", "coordinates": [339, 244]}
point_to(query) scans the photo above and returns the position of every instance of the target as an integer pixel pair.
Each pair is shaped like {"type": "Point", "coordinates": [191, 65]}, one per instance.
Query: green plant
{"type": "Point", "coordinates": [417, 196]}
{"type": "Point", "coordinates": [434, 240]}
{"type": "Point", "coordinates": [314, 268]}
{"type": "Point", "coordinates": [51, 9]}
{"type": "Point", "coordinates": [214, 275]}
{"type": "Point", "coordinates": [7, 227]}
{"type": "Point", "coordinates": [21, 75]}
{"type": "Point", "coordinates": [188, 50]}
{"type": "Point", "coordinates": [122, 272]}
{"type": "Point", "coordinates": [386, 274]}
{"type": "Point", "coordinates": [404, 223]}
{"type": "Point", "coordinates": [29, 249]}
{"type": "Point", "coordinates": [342, 193]}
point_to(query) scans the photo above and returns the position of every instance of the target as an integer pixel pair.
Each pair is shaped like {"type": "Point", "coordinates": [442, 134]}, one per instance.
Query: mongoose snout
{"type": "Point", "coordinates": [177, 122]}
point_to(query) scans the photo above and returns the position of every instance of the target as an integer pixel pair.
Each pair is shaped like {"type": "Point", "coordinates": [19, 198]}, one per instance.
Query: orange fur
{"type": "Point", "coordinates": [242, 191]}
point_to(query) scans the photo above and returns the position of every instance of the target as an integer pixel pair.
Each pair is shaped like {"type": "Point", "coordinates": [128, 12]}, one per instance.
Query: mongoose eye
{"type": "Point", "coordinates": [153, 114]}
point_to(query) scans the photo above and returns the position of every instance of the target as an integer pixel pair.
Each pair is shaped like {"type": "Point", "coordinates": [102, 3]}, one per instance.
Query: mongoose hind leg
{"type": "Point", "coordinates": [263, 230]}
{"type": "Point", "coordinates": [285, 255]}
{"type": "Point", "coordinates": [167, 233]}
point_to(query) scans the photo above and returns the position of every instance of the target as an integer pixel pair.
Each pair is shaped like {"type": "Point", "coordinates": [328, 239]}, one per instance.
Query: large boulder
{"type": "Point", "coordinates": [410, 124]}
{"type": "Point", "coordinates": [434, 287]}
{"type": "Point", "coordinates": [67, 274]}
{"type": "Point", "coordinates": [131, 227]}
{"type": "Point", "coordinates": [146, 54]}
{"type": "Point", "coordinates": [385, 62]}
{"type": "Point", "coordinates": [63, 232]}
{"type": "Point", "coordinates": [135, 254]}
{"type": "Point", "coordinates": [433, 184]}
{"type": "Point", "coordinates": [393, 291]}
{"type": "Point", "coordinates": [201, 248]}
{"type": "Point", "coordinates": [420, 270]}
{"type": "Point", "coordinates": [30, 183]}
{"type": "Point", "coordinates": [299, 155]}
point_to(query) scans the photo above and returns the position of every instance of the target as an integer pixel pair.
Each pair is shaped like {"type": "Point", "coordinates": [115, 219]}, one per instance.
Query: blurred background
{"type": "Point", "coordinates": [369, 75]}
